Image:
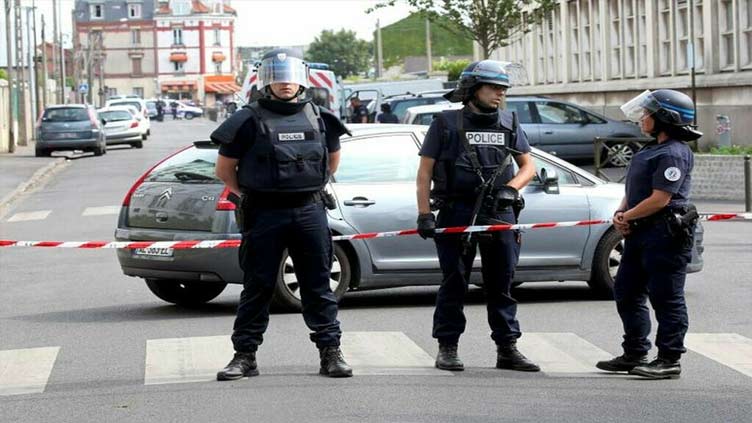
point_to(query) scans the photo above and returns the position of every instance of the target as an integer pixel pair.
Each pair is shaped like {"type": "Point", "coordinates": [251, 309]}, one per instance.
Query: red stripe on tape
{"type": "Point", "coordinates": [141, 244]}
{"type": "Point", "coordinates": [7, 243]}
{"type": "Point", "coordinates": [722, 216]}
{"type": "Point", "coordinates": [47, 244]}
{"type": "Point", "coordinates": [498, 228]}
{"type": "Point", "coordinates": [408, 232]}
{"type": "Point", "coordinates": [93, 244]}
{"type": "Point", "coordinates": [544, 225]}
{"type": "Point", "coordinates": [182, 245]}
{"type": "Point", "coordinates": [455, 230]}
{"type": "Point", "coordinates": [365, 236]}
{"type": "Point", "coordinates": [231, 243]}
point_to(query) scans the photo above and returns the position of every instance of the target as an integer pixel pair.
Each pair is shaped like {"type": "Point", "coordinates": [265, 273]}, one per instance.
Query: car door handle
{"type": "Point", "coordinates": [359, 201]}
{"type": "Point", "coordinates": [548, 132]}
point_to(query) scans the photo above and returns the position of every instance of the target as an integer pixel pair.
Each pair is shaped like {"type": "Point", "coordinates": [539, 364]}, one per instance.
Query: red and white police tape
{"type": "Point", "coordinates": [234, 243]}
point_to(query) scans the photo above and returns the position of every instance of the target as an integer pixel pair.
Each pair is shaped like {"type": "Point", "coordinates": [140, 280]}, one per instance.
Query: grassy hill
{"type": "Point", "coordinates": [408, 38]}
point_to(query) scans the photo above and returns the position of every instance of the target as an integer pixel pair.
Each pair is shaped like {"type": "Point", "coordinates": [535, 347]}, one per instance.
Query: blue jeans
{"type": "Point", "coordinates": [304, 231]}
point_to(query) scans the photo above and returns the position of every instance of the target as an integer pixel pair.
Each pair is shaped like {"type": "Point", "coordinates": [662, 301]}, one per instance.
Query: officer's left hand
{"type": "Point", "coordinates": [621, 224]}
{"type": "Point", "coordinates": [426, 225]}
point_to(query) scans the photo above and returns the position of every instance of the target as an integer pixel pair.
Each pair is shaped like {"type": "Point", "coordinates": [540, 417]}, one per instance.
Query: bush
{"type": "Point", "coordinates": [453, 69]}
{"type": "Point", "coordinates": [732, 150]}
{"type": "Point", "coordinates": [3, 74]}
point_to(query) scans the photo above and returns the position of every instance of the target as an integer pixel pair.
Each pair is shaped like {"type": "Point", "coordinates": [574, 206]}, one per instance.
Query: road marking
{"type": "Point", "coordinates": [562, 353]}
{"type": "Point", "coordinates": [183, 360]}
{"type": "Point", "coordinates": [730, 349]}
{"type": "Point", "coordinates": [33, 215]}
{"type": "Point", "coordinates": [26, 371]}
{"type": "Point", "coordinates": [101, 211]}
{"type": "Point", "coordinates": [387, 353]}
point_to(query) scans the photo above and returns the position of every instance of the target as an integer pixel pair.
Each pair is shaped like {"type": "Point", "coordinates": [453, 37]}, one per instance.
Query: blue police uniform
{"type": "Point", "coordinates": [282, 151]}
{"type": "Point", "coordinates": [654, 262]}
{"type": "Point", "coordinates": [500, 252]}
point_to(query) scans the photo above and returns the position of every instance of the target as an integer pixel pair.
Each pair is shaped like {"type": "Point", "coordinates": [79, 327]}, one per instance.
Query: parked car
{"type": "Point", "coordinates": [151, 107]}
{"type": "Point", "coordinates": [401, 103]}
{"type": "Point", "coordinates": [558, 127]}
{"type": "Point", "coordinates": [121, 126]}
{"type": "Point", "coordinates": [181, 199]}
{"type": "Point", "coordinates": [69, 127]}
{"type": "Point", "coordinates": [143, 113]}
{"type": "Point", "coordinates": [186, 110]}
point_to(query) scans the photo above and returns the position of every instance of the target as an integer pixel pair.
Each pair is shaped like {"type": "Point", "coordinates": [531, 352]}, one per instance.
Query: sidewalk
{"type": "Point", "coordinates": [21, 170]}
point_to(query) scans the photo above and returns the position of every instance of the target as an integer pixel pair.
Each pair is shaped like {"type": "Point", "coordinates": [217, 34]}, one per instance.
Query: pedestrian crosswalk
{"type": "Point", "coordinates": [36, 215]}
{"type": "Point", "coordinates": [372, 353]}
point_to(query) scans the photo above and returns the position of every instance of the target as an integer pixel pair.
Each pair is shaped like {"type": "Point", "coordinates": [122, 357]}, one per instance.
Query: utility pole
{"type": "Point", "coordinates": [428, 45]}
{"type": "Point", "coordinates": [55, 41]}
{"type": "Point", "coordinates": [20, 75]}
{"type": "Point", "coordinates": [13, 116]}
{"type": "Point", "coordinates": [40, 103]}
{"type": "Point", "coordinates": [379, 51]}
{"type": "Point", "coordinates": [45, 100]}
{"type": "Point", "coordinates": [30, 53]}
{"type": "Point", "coordinates": [62, 67]}
{"type": "Point", "coordinates": [90, 68]}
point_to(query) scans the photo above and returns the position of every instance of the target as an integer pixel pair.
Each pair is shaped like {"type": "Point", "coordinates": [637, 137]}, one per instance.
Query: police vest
{"type": "Point", "coordinates": [458, 177]}
{"type": "Point", "coordinates": [289, 153]}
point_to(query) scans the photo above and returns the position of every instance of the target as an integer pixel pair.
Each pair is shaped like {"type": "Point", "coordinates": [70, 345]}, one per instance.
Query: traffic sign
{"type": "Point", "coordinates": [83, 88]}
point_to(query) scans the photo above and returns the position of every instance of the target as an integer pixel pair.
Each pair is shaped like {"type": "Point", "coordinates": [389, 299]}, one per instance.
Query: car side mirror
{"type": "Point", "coordinates": [550, 180]}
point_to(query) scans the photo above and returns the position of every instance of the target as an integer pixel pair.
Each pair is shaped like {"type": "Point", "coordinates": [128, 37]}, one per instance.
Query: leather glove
{"type": "Point", "coordinates": [426, 225]}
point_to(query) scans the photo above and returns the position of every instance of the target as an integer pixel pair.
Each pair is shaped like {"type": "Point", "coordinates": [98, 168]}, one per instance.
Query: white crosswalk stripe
{"type": "Point", "coordinates": [562, 353]}
{"type": "Point", "coordinates": [26, 371]}
{"type": "Point", "coordinates": [101, 211]}
{"type": "Point", "coordinates": [29, 216]}
{"type": "Point", "coordinates": [181, 360]}
{"type": "Point", "coordinates": [386, 353]}
{"type": "Point", "coordinates": [729, 349]}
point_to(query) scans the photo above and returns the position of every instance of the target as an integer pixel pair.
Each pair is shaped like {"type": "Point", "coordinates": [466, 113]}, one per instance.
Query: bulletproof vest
{"type": "Point", "coordinates": [289, 153]}
{"type": "Point", "coordinates": [460, 177]}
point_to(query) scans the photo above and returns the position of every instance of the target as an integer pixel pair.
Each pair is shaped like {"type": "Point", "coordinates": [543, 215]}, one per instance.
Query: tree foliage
{"type": "Point", "coordinates": [453, 69]}
{"type": "Point", "coordinates": [3, 74]}
{"type": "Point", "coordinates": [489, 22]}
{"type": "Point", "coordinates": [344, 53]}
{"type": "Point", "coordinates": [407, 37]}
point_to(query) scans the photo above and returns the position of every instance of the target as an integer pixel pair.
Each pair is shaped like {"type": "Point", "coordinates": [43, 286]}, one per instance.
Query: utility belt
{"type": "Point", "coordinates": [275, 201]}
{"type": "Point", "coordinates": [490, 205]}
{"type": "Point", "coordinates": [680, 222]}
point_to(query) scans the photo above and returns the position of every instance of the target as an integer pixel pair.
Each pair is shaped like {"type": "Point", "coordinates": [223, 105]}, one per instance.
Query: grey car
{"type": "Point", "coordinates": [557, 127]}
{"type": "Point", "coordinates": [181, 199]}
{"type": "Point", "coordinates": [70, 127]}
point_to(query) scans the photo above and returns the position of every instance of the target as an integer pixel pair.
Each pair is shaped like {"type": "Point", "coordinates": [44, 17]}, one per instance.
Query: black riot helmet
{"type": "Point", "coordinates": [492, 72]}
{"type": "Point", "coordinates": [672, 111]}
{"type": "Point", "coordinates": [282, 65]}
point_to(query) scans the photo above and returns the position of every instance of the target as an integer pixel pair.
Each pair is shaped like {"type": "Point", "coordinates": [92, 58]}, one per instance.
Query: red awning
{"type": "Point", "coordinates": [221, 87]}
{"type": "Point", "coordinates": [175, 86]}
{"type": "Point", "coordinates": [218, 57]}
{"type": "Point", "coordinates": [178, 57]}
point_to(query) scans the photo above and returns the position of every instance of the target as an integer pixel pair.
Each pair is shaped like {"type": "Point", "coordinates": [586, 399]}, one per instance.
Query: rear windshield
{"type": "Point", "coordinates": [135, 104]}
{"type": "Point", "coordinates": [115, 115]}
{"type": "Point", "coordinates": [190, 166]}
{"type": "Point", "coordinates": [65, 114]}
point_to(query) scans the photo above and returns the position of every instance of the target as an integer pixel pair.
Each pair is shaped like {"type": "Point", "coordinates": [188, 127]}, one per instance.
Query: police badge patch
{"type": "Point", "coordinates": [672, 174]}
{"type": "Point", "coordinates": [485, 138]}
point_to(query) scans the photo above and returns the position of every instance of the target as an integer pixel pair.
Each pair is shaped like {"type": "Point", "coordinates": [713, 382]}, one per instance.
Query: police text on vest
{"type": "Point", "coordinates": [292, 136]}
{"type": "Point", "coordinates": [486, 138]}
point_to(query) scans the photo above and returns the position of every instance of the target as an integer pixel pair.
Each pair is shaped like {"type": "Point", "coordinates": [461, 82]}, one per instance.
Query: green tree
{"type": "Point", "coordinates": [453, 69]}
{"type": "Point", "coordinates": [489, 22]}
{"type": "Point", "coordinates": [3, 74]}
{"type": "Point", "coordinates": [342, 51]}
{"type": "Point", "coordinates": [407, 37]}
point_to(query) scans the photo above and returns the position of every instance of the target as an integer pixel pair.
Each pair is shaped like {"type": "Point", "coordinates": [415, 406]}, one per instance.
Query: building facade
{"type": "Point", "coordinates": [180, 49]}
{"type": "Point", "coordinates": [600, 53]}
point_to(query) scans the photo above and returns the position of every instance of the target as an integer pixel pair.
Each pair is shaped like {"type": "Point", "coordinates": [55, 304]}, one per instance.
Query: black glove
{"type": "Point", "coordinates": [426, 225]}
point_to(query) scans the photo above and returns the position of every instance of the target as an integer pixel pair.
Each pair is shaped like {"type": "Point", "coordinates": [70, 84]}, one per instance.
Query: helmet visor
{"type": "Point", "coordinates": [642, 105]}
{"type": "Point", "coordinates": [282, 68]}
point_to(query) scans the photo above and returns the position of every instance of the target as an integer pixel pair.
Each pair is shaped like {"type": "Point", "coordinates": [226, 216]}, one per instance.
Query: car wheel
{"type": "Point", "coordinates": [148, 132]}
{"type": "Point", "coordinates": [42, 153]}
{"type": "Point", "coordinates": [191, 293]}
{"type": "Point", "coordinates": [189, 116]}
{"type": "Point", "coordinates": [621, 155]}
{"type": "Point", "coordinates": [287, 290]}
{"type": "Point", "coordinates": [606, 262]}
{"type": "Point", "coordinates": [137, 144]}
{"type": "Point", "coordinates": [143, 137]}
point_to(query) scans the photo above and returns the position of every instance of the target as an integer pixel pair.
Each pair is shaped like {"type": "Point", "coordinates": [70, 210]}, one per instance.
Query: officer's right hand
{"type": "Point", "coordinates": [620, 224]}
{"type": "Point", "coordinates": [426, 225]}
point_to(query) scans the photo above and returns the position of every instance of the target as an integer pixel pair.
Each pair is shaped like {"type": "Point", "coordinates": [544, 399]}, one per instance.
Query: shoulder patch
{"type": "Point", "coordinates": [672, 174]}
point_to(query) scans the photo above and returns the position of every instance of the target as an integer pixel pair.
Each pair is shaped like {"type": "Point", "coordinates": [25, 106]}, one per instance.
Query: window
{"type": "Point", "coordinates": [178, 66]}
{"type": "Point", "coordinates": [139, 91]}
{"type": "Point", "coordinates": [745, 41]}
{"type": "Point", "coordinates": [726, 28]}
{"type": "Point", "coordinates": [522, 108]}
{"type": "Point", "coordinates": [559, 113]}
{"type": "Point", "coordinates": [134, 11]}
{"type": "Point", "coordinates": [217, 37]}
{"type": "Point", "coordinates": [665, 45]}
{"type": "Point", "coordinates": [177, 36]}
{"type": "Point", "coordinates": [180, 7]}
{"type": "Point", "coordinates": [96, 11]}
{"type": "Point", "coordinates": [135, 36]}
{"type": "Point", "coordinates": [194, 160]}
{"type": "Point", "coordinates": [385, 158]}
{"type": "Point", "coordinates": [111, 92]}
{"type": "Point", "coordinates": [136, 66]}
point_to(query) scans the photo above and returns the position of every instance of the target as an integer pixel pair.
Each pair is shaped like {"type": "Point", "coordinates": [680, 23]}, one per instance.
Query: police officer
{"type": "Point", "coordinates": [467, 155]}
{"type": "Point", "coordinates": [359, 111]}
{"type": "Point", "coordinates": [277, 154]}
{"type": "Point", "coordinates": [658, 224]}
{"type": "Point", "coordinates": [386, 115]}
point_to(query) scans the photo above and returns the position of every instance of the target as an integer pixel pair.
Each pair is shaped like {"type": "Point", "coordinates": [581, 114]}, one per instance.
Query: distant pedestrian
{"type": "Point", "coordinates": [174, 109]}
{"type": "Point", "coordinates": [359, 111]}
{"type": "Point", "coordinates": [386, 115]}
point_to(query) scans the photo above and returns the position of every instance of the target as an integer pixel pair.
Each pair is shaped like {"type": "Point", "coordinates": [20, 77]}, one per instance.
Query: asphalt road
{"type": "Point", "coordinates": [101, 347]}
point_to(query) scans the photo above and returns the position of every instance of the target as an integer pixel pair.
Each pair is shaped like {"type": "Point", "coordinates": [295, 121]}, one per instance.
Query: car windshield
{"type": "Point", "coordinates": [191, 166]}
{"type": "Point", "coordinates": [151, 105]}
{"type": "Point", "coordinates": [135, 104]}
{"type": "Point", "coordinates": [66, 114]}
{"type": "Point", "coordinates": [399, 107]}
{"type": "Point", "coordinates": [115, 115]}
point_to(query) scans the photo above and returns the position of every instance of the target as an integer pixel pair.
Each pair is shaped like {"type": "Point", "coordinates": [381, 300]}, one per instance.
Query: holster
{"type": "Point", "coordinates": [328, 199]}
{"type": "Point", "coordinates": [681, 224]}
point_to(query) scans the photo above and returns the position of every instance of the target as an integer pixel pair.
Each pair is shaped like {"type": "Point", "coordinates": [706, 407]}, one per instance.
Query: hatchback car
{"type": "Point", "coordinates": [185, 110]}
{"type": "Point", "coordinates": [181, 199]}
{"type": "Point", "coordinates": [121, 126]}
{"type": "Point", "coordinates": [143, 113]}
{"type": "Point", "coordinates": [69, 127]}
{"type": "Point", "coordinates": [401, 103]}
{"type": "Point", "coordinates": [554, 126]}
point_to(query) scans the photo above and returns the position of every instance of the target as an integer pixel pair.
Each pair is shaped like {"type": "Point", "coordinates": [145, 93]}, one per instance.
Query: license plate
{"type": "Point", "coordinates": [154, 251]}
{"type": "Point", "coordinates": [68, 135]}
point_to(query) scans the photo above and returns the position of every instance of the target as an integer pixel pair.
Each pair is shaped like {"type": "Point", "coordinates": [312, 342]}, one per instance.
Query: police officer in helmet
{"type": "Point", "coordinates": [658, 224]}
{"type": "Point", "coordinates": [277, 154]}
{"type": "Point", "coordinates": [467, 156]}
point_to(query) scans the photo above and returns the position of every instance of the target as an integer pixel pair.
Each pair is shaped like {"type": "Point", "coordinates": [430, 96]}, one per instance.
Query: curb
{"type": "Point", "coordinates": [37, 180]}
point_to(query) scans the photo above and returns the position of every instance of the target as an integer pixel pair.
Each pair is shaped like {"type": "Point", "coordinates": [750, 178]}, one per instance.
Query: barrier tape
{"type": "Point", "coordinates": [235, 243]}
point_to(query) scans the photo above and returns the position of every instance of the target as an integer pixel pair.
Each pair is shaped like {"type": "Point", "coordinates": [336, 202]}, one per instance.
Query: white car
{"type": "Point", "coordinates": [121, 125]}
{"type": "Point", "coordinates": [423, 115]}
{"type": "Point", "coordinates": [185, 110]}
{"type": "Point", "coordinates": [143, 113]}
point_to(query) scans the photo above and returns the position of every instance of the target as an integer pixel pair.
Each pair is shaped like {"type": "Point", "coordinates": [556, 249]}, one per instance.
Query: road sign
{"type": "Point", "coordinates": [83, 88]}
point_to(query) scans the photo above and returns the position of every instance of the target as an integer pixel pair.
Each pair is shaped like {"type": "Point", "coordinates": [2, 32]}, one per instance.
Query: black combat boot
{"type": "Point", "coordinates": [242, 364]}
{"type": "Point", "coordinates": [622, 363]}
{"type": "Point", "coordinates": [333, 363]}
{"type": "Point", "coordinates": [508, 357]}
{"type": "Point", "coordinates": [447, 359]}
{"type": "Point", "coordinates": [660, 368]}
